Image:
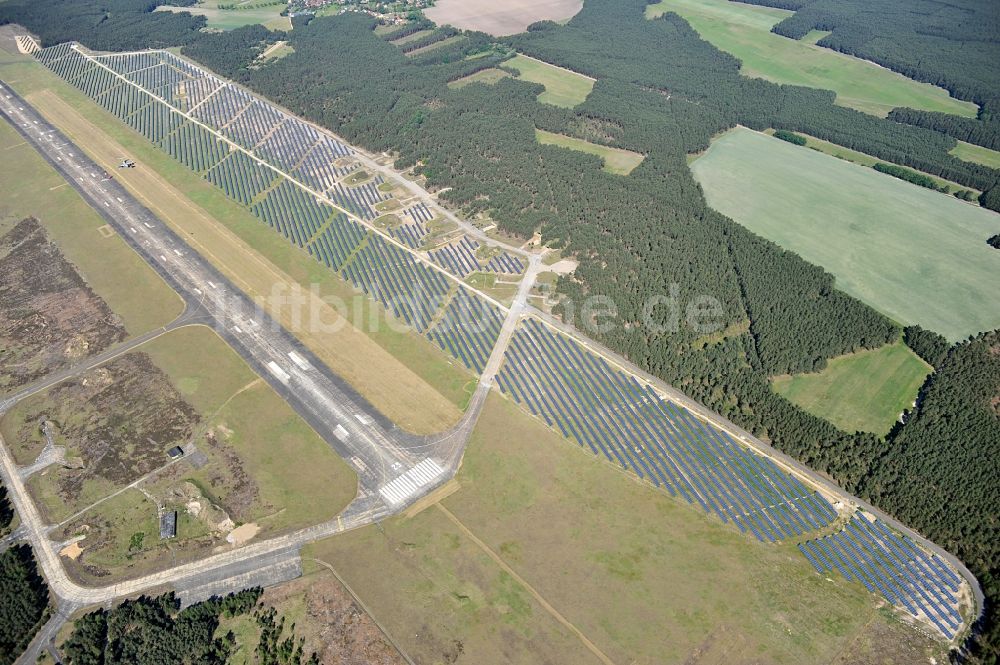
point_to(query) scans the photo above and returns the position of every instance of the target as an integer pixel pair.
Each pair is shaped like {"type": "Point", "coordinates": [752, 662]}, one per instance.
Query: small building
{"type": "Point", "coordinates": [175, 452]}
{"type": "Point", "coordinates": [168, 524]}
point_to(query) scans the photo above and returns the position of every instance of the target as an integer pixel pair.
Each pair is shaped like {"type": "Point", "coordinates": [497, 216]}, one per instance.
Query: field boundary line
{"type": "Point", "coordinates": [534, 593]}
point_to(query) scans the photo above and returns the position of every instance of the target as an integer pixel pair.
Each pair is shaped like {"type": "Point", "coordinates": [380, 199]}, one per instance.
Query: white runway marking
{"type": "Point", "coordinates": [410, 483]}
{"type": "Point", "coordinates": [281, 374]}
{"type": "Point", "coordinates": [299, 360]}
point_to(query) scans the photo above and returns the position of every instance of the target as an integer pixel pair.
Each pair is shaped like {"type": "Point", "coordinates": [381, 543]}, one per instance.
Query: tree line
{"type": "Point", "coordinates": [24, 601]}
{"type": "Point", "coordinates": [954, 45]}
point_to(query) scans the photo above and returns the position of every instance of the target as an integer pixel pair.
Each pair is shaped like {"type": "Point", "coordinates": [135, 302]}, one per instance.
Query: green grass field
{"type": "Point", "coordinates": [978, 154]}
{"type": "Point", "coordinates": [744, 31]}
{"type": "Point", "coordinates": [300, 479]}
{"type": "Point", "coordinates": [249, 13]}
{"type": "Point", "coordinates": [864, 391]}
{"type": "Point", "coordinates": [487, 76]}
{"type": "Point", "coordinates": [861, 158]}
{"type": "Point", "coordinates": [915, 254]}
{"type": "Point", "coordinates": [131, 288]}
{"type": "Point", "coordinates": [562, 87]}
{"type": "Point", "coordinates": [644, 577]}
{"type": "Point", "coordinates": [616, 160]}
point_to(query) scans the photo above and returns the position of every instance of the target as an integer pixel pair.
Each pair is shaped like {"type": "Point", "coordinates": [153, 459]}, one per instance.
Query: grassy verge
{"type": "Point", "coordinates": [562, 87]}
{"type": "Point", "coordinates": [616, 160]}
{"type": "Point", "coordinates": [744, 31]}
{"type": "Point", "coordinates": [127, 284]}
{"type": "Point", "coordinates": [642, 576]}
{"type": "Point", "coordinates": [864, 391]}
{"type": "Point", "coordinates": [401, 372]}
{"type": "Point", "coordinates": [885, 240]}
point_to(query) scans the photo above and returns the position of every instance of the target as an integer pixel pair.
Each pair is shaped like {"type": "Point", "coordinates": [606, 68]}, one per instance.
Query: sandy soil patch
{"type": "Point", "coordinates": [71, 551]}
{"type": "Point", "coordinates": [242, 534]}
{"type": "Point", "coordinates": [500, 17]}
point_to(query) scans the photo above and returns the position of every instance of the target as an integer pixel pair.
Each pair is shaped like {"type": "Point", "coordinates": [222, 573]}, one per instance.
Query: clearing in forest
{"type": "Point", "coordinates": [562, 86]}
{"type": "Point", "coordinates": [978, 154]}
{"type": "Point", "coordinates": [917, 255]}
{"type": "Point", "coordinates": [616, 160]}
{"type": "Point", "coordinates": [228, 14]}
{"type": "Point", "coordinates": [500, 18]}
{"type": "Point", "coordinates": [488, 76]}
{"type": "Point", "coordinates": [745, 32]}
{"type": "Point", "coordinates": [864, 391]}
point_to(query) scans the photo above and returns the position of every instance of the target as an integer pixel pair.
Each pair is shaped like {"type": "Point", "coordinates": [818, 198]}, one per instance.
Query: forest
{"type": "Point", "coordinates": [6, 511]}
{"type": "Point", "coordinates": [105, 25]}
{"type": "Point", "coordinates": [24, 601]}
{"type": "Point", "coordinates": [154, 630]}
{"type": "Point", "coordinates": [908, 175]}
{"type": "Point", "coordinates": [637, 236]}
{"type": "Point", "coordinates": [955, 45]}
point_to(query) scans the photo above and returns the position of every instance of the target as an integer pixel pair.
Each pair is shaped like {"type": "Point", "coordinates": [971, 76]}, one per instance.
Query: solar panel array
{"type": "Point", "coordinates": [505, 263]}
{"type": "Point", "coordinates": [411, 234]}
{"type": "Point", "coordinates": [892, 566]}
{"type": "Point", "coordinates": [409, 289]}
{"type": "Point", "coordinates": [458, 258]}
{"type": "Point", "coordinates": [240, 177]}
{"type": "Point", "coordinates": [468, 330]}
{"type": "Point", "coordinates": [628, 423]}
{"type": "Point", "coordinates": [292, 211]}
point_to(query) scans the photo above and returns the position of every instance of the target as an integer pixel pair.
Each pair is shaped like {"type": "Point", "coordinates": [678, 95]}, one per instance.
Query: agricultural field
{"type": "Point", "coordinates": [861, 158]}
{"type": "Point", "coordinates": [882, 238]}
{"type": "Point", "coordinates": [526, 545]}
{"type": "Point", "coordinates": [744, 31]}
{"type": "Point", "coordinates": [230, 14]}
{"type": "Point", "coordinates": [978, 154]}
{"type": "Point", "coordinates": [864, 391]}
{"type": "Point", "coordinates": [488, 76]}
{"type": "Point", "coordinates": [416, 387]}
{"type": "Point", "coordinates": [503, 18]}
{"type": "Point", "coordinates": [616, 160]}
{"type": "Point", "coordinates": [562, 87]}
{"type": "Point", "coordinates": [254, 461]}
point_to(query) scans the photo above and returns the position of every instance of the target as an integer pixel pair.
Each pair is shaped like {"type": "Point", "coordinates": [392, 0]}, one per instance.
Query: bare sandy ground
{"type": "Point", "coordinates": [500, 17]}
